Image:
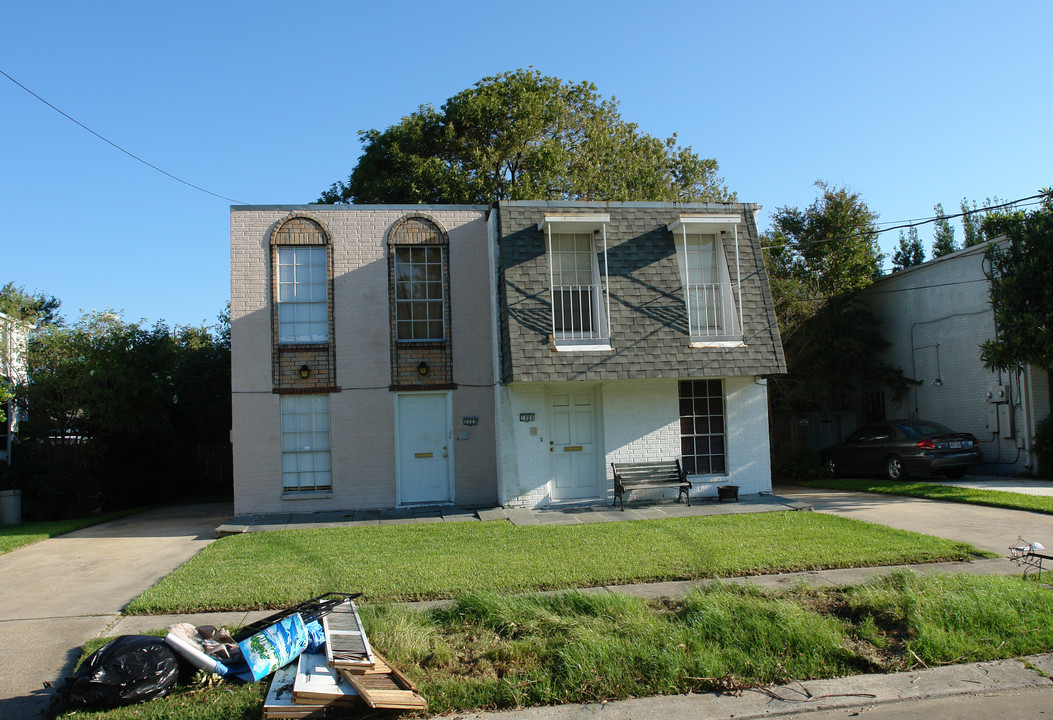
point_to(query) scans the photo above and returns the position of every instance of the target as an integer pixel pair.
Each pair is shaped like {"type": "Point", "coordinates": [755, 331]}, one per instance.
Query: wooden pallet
{"type": "Point", "coordinates": [385, 687]}
{"type": "Point", "coordinates": [346, 644]}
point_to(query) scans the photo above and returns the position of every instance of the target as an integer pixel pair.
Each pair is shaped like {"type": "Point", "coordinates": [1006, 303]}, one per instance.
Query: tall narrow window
{"type": "Point", "coordinates": [710, 277]}
{"type": "Point", "coordinates": [575, 292]}
{"type": "Point", "coordinates": [303, 310]}
{"type": "Point", "coordinates": [707, 289]}
{"type": "Point", "coordinates": [702, 427]}
{"type": "Point", "coordinates": [419, 293]}
{"type": "Point", "coordinates": [305, 443]}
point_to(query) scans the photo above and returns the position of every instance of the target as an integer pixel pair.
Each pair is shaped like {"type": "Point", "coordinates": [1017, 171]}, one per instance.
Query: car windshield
{"type": "Point", "coordinates": [924, 427]}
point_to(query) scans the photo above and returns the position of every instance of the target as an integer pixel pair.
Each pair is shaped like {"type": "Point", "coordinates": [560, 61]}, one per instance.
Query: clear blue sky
{"type": "Point", "coordinates": [908, 103]}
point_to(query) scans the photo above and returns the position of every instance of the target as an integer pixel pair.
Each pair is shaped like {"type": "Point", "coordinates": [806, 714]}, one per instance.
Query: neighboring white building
{"type": "Point", "coordinates": [13, 337]}
{"type": "Point", "coordinates": [936, 315]}
{"type": "Point", "coordinates": [390, 356]}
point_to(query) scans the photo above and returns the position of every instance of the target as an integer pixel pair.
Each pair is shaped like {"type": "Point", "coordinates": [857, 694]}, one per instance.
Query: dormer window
{"type": "Point", "coordinates": [577, 253]}
{"type": "Point", "coordinates": [712, 294]}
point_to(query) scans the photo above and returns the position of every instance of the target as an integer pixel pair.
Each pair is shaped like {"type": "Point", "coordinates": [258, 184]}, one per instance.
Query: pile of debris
{"type": "Point", "coordinates": [317, 651]}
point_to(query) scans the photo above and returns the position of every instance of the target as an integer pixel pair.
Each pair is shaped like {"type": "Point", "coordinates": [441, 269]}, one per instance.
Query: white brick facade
{"type": "Point", "coordinates": [637, 420]}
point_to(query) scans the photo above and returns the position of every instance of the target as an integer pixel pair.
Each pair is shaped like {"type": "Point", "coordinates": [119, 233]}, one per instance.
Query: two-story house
{"type": "Point", "coordinates": [630, 332]}
{"type": "Point", "coordinates": [390, 356]}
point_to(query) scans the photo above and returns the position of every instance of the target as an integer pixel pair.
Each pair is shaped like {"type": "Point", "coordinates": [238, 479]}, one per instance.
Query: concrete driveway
{"type": "Point", "coordinates": [59, 593]}
{"type": "Point", "coordinates": [988, 528]}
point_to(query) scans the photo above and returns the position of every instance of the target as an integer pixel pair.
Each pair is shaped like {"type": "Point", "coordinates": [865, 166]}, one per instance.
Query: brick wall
{"type": "Point", "coordinates": [362, 412]}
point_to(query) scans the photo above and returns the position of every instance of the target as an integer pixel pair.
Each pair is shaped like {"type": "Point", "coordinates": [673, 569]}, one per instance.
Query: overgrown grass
{"type": "Point", "coordinates": [489, 651]}
{"type": "Point", "coordinates": [939, 491]}
{"type": "Point", "coordinates": [16, 536]}
{"type": "Point", "coordinates": [443, 560]}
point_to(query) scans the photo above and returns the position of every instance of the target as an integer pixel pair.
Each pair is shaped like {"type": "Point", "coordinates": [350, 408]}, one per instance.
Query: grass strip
{"type": "Point", "coordinates": [939, 491]}
{"type": "Point", "coordinates": [442, 560]}
{"type": "Point", "coordinates": [16, 536]}
{"type": "Point", "coordinates": [489, 652]}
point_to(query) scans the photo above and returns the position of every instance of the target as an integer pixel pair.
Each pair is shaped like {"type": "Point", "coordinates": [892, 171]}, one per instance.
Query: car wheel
{"type": "Point", "coordinates": [955, 474]}
{"type": "Point", "coordinates": [830, 468]}
{"type": "Point", "coordinates": [894, 468]}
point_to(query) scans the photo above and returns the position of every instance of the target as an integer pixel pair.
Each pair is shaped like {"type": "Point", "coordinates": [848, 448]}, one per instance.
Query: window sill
{"type": "Point", "coordinates": [314, 345]}
{"type": "Point", "coordinates": [306, 495]}
{"type": "Point", "coordinates": [721, 343]}
{"type": "Point", "coordinates": [581, 348]}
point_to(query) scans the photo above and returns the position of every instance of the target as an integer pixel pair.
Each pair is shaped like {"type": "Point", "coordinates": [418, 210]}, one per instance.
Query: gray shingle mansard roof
{"type": "Point", "coordinates": [649, 335]}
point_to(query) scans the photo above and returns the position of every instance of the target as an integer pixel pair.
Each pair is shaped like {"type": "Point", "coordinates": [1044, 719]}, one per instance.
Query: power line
{"type": "Point", "coordinates": [1022, 202]}
{"type": "Point", "coordinates": [110, 142]}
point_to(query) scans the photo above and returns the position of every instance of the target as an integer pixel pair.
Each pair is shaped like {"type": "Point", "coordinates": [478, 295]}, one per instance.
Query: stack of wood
{"type": "Point", "coordinates": [350, 673]}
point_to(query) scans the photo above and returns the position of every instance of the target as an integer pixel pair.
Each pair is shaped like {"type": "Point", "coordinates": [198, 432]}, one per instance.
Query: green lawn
{"type": "Point", "coordinates": [488, 651]}
{"type": "Point", "coordinates": [16, 536]}
{"type": "Point", "coordinates": [444, 560]}
{"type": "Point", "coordinates": [940, 491]}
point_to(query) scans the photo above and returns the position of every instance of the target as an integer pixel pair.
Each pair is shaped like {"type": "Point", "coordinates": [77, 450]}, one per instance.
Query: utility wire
{"type": "Point", "coordinates": [110, 142]}
{"type": "Point", "coordinates": [916, 223]}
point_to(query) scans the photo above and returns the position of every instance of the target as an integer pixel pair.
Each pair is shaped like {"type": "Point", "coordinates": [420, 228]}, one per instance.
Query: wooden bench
{"type": "Point", "coordinates": [640, 475]}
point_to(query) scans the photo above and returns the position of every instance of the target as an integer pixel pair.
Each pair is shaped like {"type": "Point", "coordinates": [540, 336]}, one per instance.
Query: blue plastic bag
{"type": "Point", "coordinates": [315, 637]}
{"type": "Point", "coordinates": [274, 647]}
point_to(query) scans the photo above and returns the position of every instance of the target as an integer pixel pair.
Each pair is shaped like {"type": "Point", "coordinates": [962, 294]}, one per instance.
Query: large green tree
{"type": "Point", "coordinates": [524, 136]}
{"type": "Point", "coordinates": [1021, 287]}
{"type": "Point", "coordinates": [817, 259]}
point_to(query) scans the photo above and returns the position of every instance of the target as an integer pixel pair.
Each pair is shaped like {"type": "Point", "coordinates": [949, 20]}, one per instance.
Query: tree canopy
{"type": "Point", "coordinates": [119, 413]}
{"type": "Point", "coordinates": [817, 258]}
{"type": "Point", "coordinates": [943, 242]}
{"type": "Point", "coordinates": [28, 307]}
{"type": "Point", "coordinates": [1021, 287]}
{"type": "Point", "coordinates": [524, 136]}
{"type": "Point", "coordinates": [909, 253]}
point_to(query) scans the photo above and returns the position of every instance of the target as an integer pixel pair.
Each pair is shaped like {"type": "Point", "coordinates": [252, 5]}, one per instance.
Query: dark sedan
{"type": "Point", "coordinates": [899, 448]}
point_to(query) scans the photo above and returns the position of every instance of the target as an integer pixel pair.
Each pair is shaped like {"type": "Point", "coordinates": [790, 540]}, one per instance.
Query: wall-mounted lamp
{"type": "Point", "coordinates": [422, 369]}
{"type": "Point", "coordinates": [305, 372]}
{"type": "Point", "coordinates": [938, 382]}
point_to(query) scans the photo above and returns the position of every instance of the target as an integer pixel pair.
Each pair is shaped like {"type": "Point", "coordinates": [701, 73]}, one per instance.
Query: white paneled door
{"type": "Point", "coordinates": [572, 447]}
{"type": "Point", "coordinates": [423, 437]}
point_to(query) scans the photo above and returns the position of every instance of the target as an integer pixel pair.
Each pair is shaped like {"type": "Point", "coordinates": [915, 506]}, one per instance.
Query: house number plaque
{"type": "Point", "coordinates": [470, 420]}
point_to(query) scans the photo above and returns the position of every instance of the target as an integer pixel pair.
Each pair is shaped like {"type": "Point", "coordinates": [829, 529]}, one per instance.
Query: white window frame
{"type": "Point", "coordinates": [303, 316]}
{"type": "Point", "coordinates": [593, 225]}
{"type": "Point", "coordinates": [730, 288]}
{"type": "Point", "coordinates": [305, 444]}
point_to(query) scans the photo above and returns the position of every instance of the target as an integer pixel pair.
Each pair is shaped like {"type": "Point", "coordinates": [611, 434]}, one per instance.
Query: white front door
{"type": "Point", "coordinates": [572, 447]}
{"type": "Point", "coordinates": [423, 440]}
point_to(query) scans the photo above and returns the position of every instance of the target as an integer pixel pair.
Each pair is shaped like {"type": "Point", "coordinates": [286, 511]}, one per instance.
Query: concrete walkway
{"type": "Point", "coordinates": [59, 593]}
{"type": "Point", "coordinates": [988, 528]}
{"type": "Point", "coordinates": [562, 514]}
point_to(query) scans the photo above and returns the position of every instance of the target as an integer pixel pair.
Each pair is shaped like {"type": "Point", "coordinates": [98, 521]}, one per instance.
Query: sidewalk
{"type": "Point", "coordinates": [561, 514]}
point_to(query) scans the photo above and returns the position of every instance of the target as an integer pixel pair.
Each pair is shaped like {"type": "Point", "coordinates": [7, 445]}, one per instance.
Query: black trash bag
{"type": "Point", "coordinates": [126, 670]}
